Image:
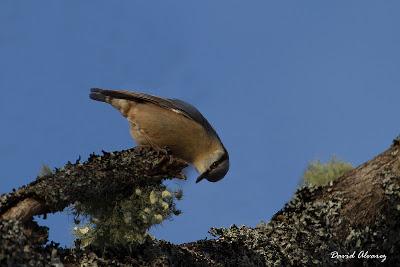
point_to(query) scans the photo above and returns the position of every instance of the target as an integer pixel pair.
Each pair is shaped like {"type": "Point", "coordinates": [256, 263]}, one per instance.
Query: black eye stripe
{"type": "Point", "coordinates": [218, 161]}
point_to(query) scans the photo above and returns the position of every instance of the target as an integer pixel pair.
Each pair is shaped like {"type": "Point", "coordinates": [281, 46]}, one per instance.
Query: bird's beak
{"type": "Point", "coordinates": [201, 177]}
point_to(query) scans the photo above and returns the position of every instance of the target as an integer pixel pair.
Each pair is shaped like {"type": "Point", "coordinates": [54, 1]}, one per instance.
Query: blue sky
{"type": "Point", "coordinates": [283, 83]}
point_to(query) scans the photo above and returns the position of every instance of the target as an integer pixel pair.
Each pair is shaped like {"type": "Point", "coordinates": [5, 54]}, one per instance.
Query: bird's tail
{"type": "Point", "coordinates": [104, 95]}
{"type": "Point", "coordinates": [120, 100]}
{"type": "Point", "coordinates": [101, 95]}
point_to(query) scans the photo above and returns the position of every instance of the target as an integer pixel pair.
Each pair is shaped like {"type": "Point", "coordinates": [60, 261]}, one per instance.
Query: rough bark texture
{"type": "Point", "coordinates": [112, 173]}
{"type": "Point", "coordinates": [360, 211]}
{"type": "Point", "coordinates": [24, 210]}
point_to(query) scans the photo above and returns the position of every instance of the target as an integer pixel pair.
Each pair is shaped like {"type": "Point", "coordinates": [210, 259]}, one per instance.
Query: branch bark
{"type": "Point", "coordinates": [360, 211]}
{"type": "Point", "coordinates": [109, 174]}
{"type": "Point", "coordinates": [24, 210]}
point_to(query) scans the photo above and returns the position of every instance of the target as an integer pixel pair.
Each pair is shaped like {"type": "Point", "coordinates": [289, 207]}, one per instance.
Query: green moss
{"type": "Point", "coordinates": [45, 170]}
{"type": "Point", "coordinates": [318, 173]}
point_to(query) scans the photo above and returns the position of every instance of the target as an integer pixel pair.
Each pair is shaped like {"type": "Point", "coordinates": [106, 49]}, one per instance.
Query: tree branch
{"type": "Point", "coordinates": [110, 174]}
{"type": "Point", "coordinates": [360, 211]}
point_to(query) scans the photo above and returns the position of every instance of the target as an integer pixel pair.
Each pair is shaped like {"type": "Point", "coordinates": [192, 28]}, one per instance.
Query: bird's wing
{"type": "Point", "coordinates": [175, 105]}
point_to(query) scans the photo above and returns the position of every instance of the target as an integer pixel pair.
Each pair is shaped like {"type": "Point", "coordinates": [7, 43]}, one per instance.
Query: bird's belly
{"type": "Point", "coordinates": [152, 125]}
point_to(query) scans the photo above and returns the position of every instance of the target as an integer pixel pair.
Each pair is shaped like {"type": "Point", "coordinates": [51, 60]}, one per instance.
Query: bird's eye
{"type": "Point", "coordinates": [214, 165]}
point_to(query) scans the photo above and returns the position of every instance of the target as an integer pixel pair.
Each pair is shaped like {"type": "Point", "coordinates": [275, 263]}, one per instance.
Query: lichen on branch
{"type": "Point", "coordinates": [357, 211]}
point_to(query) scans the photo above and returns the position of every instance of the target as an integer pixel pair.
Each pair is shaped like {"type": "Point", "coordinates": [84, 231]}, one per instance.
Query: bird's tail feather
{"type": "Point", "coordinates": [106, 95]}
{"type": "Point", "coordinates": [118, 99]}
{"type": "Point", "coordinates": [97, 95]}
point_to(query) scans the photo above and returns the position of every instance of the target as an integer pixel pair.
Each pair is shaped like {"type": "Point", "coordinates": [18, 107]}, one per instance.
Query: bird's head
{"type": "Point", "coordinates": [216, 170]}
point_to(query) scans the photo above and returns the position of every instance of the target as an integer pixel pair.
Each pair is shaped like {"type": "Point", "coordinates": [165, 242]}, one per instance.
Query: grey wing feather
{"type": "Point", "coordinates": [175, 105]}
{"type": "Point", "coordinates": [193, 113]}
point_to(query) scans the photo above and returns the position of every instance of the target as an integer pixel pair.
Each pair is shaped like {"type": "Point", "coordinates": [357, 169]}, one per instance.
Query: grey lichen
{"type": "Point", "coordinates": [381, 238]}
{"type": "Point", "coordinates": [121, 193]}
{"type": "Point", "coordinates": [302, 226]}
{"type": "Point", "coordinates": [101, 176]}
{"type": "Point", "coordinates": [17, 248]}
{"type": "Point", "coordinates": [303, 233]}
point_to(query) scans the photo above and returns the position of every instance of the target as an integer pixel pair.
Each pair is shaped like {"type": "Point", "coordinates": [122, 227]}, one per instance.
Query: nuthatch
{"type": "Point", "coordinates": [172, 123]}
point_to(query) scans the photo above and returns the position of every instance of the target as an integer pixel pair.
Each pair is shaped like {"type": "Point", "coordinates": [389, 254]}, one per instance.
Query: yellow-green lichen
{"type": "Point", "coordinates": [125, 222]}
{"type": "Point", "coordinates": [318, 173]}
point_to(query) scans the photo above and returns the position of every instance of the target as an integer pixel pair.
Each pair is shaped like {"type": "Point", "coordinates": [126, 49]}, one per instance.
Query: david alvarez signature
{"type": "Point", "coordinates": [360, 255]}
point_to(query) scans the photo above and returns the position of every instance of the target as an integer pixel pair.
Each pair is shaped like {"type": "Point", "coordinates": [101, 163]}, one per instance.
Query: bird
{"type": "Point", "coordinates": [171, 123]}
